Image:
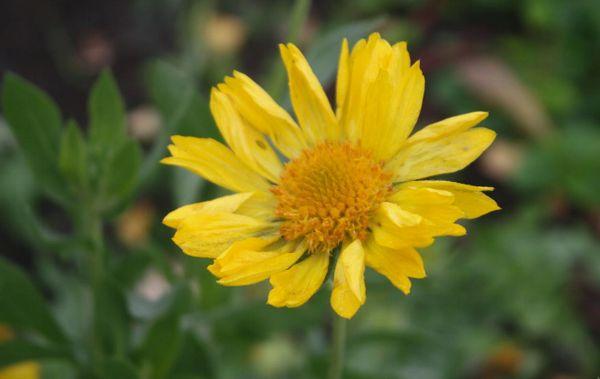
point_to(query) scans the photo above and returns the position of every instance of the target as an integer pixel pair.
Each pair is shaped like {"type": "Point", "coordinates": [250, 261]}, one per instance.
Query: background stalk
{"type": "Point", "coordinates": [338, 347]}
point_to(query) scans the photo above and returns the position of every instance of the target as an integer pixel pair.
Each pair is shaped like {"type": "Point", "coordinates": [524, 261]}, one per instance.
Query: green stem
{"type": "Point", "coordinates": [338, 347]}
{"type": "Point", "coordinates": [91, 229]}
{"type": "Point", "coordinates": [97, 244]}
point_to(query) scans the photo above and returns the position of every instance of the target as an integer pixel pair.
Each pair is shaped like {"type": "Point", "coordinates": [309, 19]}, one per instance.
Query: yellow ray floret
{"type": "Point", "coordinates": [349, 291]}
{"type": "Point", "coordinates": [351, 192]}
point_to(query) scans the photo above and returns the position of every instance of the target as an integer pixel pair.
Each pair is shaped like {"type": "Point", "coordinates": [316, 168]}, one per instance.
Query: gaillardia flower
{"type": "Point", "coordinates": [349, 189]}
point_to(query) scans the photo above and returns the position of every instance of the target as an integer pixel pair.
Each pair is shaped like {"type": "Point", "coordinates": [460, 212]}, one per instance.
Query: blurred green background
{"type": "Point", "coordinates": [92, 287]}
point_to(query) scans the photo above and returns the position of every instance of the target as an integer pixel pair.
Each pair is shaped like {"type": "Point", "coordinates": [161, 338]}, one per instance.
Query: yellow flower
{"type": "Point", "coordinates": [22, 370]}
{"type": "Point", "coordinates": [351, 179]}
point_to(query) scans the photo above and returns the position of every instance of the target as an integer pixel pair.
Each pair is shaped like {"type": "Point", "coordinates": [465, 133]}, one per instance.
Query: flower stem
{"type": "Point", "coordinates": [338, 347]}
{"type": "Point", "coordinates": [90, 223]}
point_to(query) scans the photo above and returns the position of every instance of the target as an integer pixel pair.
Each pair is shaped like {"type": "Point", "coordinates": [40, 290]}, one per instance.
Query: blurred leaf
{"type": "Point", "coordinates": [118, 369]}
{"type": "Point", "coordinates": [58, 369]}
{"type": "Point", "coordinates": [72, 304]}
{"type": "Point", "coordinates": [186, 187]}
{"type": "Point", "coordinates": [73, 156]}
{"type": "Point", "coordinates": [111, 320]}
{"type": "Point", "coordinates": [130, 267]}
{"type": "Point", "coordinates": [185, 111]}
{"type": "Point", "coordinates": [17, 193]}
{"type": "Point", "coordinates": [275, 82]}
{"type": "Point", "coordinates": [121, 175]}
{"type": "Point", "coordinates": [194, 360]}
{"type": "Point", "coordinates": [21, 305]}
{"type": "Point", "coordinates": [107, 116]}
{"type": "Point", "coordinates": [16, 351]}
{"type": "Point", "coordinates": [117, 158]}
{"type": "Point", "coordinates": [172, 93]}
{"type": "Point", "coordinates": [163, 341]}
{"type": "Point", "coordinates": [324, 54]}
{"type": "Point", "coordinates": [162, 345]}
{"type": "Point", "coordinates": [36, 122]}
{"type": "Point", "coordinates": [566, 164]}
{"type": "Point", "coordinates": [168, 86]}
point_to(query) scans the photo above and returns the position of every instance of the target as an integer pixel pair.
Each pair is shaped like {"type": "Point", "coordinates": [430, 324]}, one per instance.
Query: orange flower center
{"type": "Point", "coordinates": [328, 194]}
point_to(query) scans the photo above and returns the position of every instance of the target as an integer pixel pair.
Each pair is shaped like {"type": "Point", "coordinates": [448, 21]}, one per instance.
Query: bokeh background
{"type": "Point", "coordinates": [101, 291]}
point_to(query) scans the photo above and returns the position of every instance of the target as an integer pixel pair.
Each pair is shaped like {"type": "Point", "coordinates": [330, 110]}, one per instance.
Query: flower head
{"type": "Point", "coordinates": [350, 190]}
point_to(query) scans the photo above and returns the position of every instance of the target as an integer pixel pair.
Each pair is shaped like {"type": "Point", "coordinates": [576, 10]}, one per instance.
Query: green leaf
{"type": "Point", "coordinates": [163, 344]}
{"type": "Point", "coordinates": [22, 306]}
{"type": "Point", "coordinates": [73, 156]}
{"type": "Point", "coordinates": [324, 54]}
{"type": "Point", "coordinates": [16, 351]}
{"type": "Point", "coordinates": [186, 187]}
{"type": "Point", "coordinates": [168, 86]}
{"type": "Point", "coordinates": [121, 175]}
{"type": "Point", "coordinates": [184, 111]}
{"type": "Point", "coordinates": [60, 369]}
{"type": "Point", "coordinates": [115, 158]}
{"type": "Point", "coordinates": [164, 339]}
{"type": "Point", "coordinates": [107, 116]}
{"type": "Point", "coordinates": [566, 164]}
{"type": "Point", "coordinates": [183, 108]}
{"type": "Point", "coordinates": [35, 121]}
{"type": "Point", "coordinates": [118, 369]}
{"type": "Point", "coordinates": [195, 359]}
{"type": "Point", "coordinates": [111, 320]}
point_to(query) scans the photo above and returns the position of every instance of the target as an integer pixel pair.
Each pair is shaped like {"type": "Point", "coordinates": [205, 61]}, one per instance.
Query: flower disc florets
{"type": "Point", "coordinates": [328, 194]}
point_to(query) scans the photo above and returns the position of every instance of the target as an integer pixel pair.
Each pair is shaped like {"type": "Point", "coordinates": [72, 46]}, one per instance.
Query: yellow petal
{"type": "Point", "coordinates": [395, 264]}
{"type": "Point", "coordinates": [391, 111]}
{"type": "Point", "coordinates": [261, 206]}
{"type": "Point", "coordinates": [215, 162]}
{"type": "Point", "coordinates": [398, 216]}
{"type": "Point", "coordinates": [409, 196]}
{"type": "Point", "coordinates": [371, 61]}
{"type": "Point", "coordinates": [349, 281]}
{"type": "Point", "coordinates": [264, 114]}
{"type": "Point", "coordinates": [399, 238]}
{"type": "Point", "coordinates": [253, 260]}
{"type": "Point", "coordinates": [248, 144]}
{"type": "Point", "coordinates": [449, 126]}
{"type": "Point", "coordinates": [364, 65]}
{"type": "Point", "coordinates": [429, 157]}
{"type": "Point", "coordinates": [435, 206]}
{"type": "Point", "coordinates": [398, 228]}
{"type": "Point", "coordinates": [342, 78]}
{"type": "Point", "coordinates": [376, 122]}
{"type": "Point", "coordinates": [408, 108]}
{"type": "Point", "coordinates": [469, 199]}
{"type": "Point", "coordinates": [294, 286]}
{"type": "Point", "coordinates": [399, 62]}
{"type": "Point", "coordinates": [208, 235]}
{"type": "Point", "coordinates": [227, 204]}
{"type": "Point", "coordinates": [412, 217]}
{"type": "Point", "coordinates": [310, 103]}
